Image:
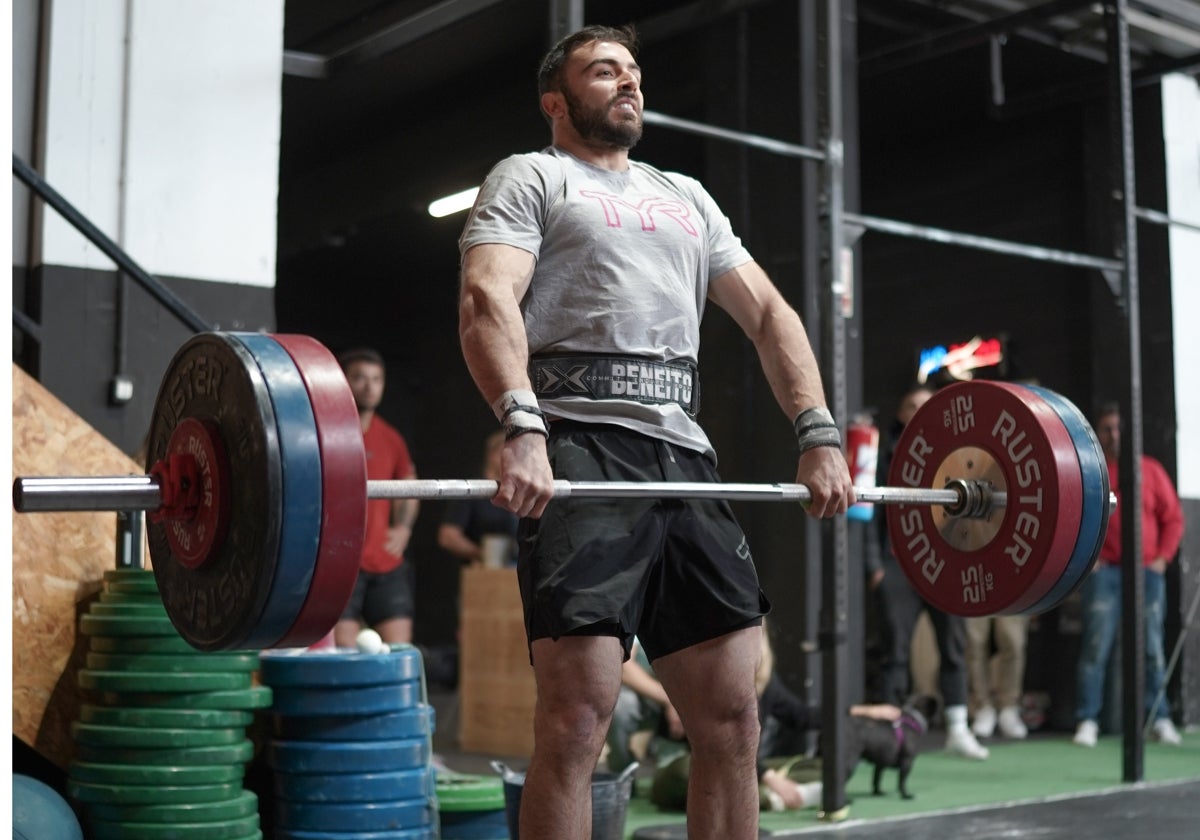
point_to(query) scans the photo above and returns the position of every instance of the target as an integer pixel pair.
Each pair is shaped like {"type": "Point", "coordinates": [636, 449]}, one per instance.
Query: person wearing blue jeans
{"type": "Point", "coordinates": [1101, 608]}
{"type": "Point", "coordinates": [1162, 530]}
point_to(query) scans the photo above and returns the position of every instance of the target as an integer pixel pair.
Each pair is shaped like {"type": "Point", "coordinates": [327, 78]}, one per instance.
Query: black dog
{"type": "Point", "coordinates": [889, 744]}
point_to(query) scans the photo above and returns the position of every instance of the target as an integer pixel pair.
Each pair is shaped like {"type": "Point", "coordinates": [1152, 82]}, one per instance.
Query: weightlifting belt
{"type": "Point", "coordinates": [633, 378]}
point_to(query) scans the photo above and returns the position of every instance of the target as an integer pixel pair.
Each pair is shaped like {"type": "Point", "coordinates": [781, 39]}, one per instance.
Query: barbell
{"type": "Point", "coordinates": [257, 494]}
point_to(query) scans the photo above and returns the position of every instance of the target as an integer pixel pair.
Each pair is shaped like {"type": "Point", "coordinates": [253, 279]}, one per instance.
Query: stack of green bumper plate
{"type": "Point", "coordinates": [161, 742]}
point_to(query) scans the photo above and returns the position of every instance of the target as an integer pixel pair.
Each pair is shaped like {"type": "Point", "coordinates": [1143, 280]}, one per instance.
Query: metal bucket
{"type": "Point", "coordinates": [610, 800]}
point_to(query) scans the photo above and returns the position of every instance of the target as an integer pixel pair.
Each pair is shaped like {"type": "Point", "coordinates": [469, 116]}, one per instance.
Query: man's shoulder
{"type": "Point", "coordinates": [526, 176]}
{"type": "Point", "coordinates": [526, 163]}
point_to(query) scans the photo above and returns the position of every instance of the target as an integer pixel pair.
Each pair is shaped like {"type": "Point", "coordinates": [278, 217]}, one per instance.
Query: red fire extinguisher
{"type": "Point", "coordinates": [862, 454]}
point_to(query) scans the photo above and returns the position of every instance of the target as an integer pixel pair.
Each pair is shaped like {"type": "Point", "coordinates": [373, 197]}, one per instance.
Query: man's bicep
{"type": "Point", "coordinates": [490, 325]}
{"type": "Point", "coordinates": [495, 268]}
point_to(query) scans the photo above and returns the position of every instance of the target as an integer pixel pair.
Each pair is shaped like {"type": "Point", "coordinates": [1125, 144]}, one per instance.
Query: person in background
{"type": "Point", "coordinates": [1004, 692]}
{"type": "Point", "coordinates": [468, 523]}
{"type": "Point", "coordinates": [996, 682]}
{"type": "Point", "coordinates": [900, 606]}
{"type": "Point", "coordinates": [383, 593]}
{"type": "Point", "coordinates": [584, 278]}
{"type": "Point", "coordinates": [642, 705]}
{"type": "Point", "coordinates": [1100, 595]}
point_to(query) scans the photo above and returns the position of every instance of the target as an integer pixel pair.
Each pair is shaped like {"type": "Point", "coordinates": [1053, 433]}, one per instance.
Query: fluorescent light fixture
{"type": "Point", "coordinates": [453, 203]}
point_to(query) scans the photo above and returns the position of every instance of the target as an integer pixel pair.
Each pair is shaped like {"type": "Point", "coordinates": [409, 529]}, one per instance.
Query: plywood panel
{"type": "Point", "coordinates": [58, 562]}
{"type": "Point", "coordinates": [496, 686]}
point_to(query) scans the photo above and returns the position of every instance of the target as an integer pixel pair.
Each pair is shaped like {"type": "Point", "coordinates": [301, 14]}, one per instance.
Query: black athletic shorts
{"type": "Point", "coordinates": [675, 572]}
{"type": "Point", "coordinates": [378, 597]}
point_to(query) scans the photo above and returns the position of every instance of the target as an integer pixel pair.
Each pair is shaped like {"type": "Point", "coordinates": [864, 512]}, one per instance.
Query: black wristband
{"type": "Point", "coordinates": [824, 436]}
{"type": "Point", "coordinates": [529, 409]}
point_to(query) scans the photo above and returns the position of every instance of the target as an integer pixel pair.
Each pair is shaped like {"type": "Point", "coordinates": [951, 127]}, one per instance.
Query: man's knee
{"type": "Point", "coordinates": [575, 723]}
{"type": "Point", "coordinates": [731, 730]}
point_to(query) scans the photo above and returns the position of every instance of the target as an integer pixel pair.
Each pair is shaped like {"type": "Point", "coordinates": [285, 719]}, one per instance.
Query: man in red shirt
{"type": "Point", "coordinates": [1162, 529]}
{"type": "Point", "coordinates": [383, 593]}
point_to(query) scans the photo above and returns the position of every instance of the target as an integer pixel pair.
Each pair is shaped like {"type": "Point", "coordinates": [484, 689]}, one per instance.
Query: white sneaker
{"type": "Point", "coordinates": [1011, 725]}
{"type": "Point", "coordinates": [1166, 733]}
{"type": "Point", "coordinates": [1085, 734]}
{"type": "Point", "coordinates": [962, 742]}
{"type": "Point", "coordinates": [985, 722]}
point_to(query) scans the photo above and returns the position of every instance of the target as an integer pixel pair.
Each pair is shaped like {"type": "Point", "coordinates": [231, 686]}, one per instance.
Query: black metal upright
{"type": "Point", "coordinates": [834, 618]}
{"type": "Point", "coordinates": [1121, 169]}
{"type": "Point", "coordinates": [566, 16]}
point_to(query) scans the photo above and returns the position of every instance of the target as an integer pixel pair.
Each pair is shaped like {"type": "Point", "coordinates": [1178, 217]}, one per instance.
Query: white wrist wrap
{"type": "Point", "coordinates": [519, 414]}
{"type": "Point", "coordinates": [509, 399]}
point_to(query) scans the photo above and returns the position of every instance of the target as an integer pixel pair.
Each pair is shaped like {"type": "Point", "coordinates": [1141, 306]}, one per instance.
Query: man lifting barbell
{"type": "Point", "coordinates": [584, 279]}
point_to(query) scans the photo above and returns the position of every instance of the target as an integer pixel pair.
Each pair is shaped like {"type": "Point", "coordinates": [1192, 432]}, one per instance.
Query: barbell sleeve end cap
{"type": "Point", "coordinates": [41, 494]}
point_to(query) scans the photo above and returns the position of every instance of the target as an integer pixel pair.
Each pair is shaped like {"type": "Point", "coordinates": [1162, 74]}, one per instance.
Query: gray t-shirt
{"type": "Point", "coordinates": [624, 260]}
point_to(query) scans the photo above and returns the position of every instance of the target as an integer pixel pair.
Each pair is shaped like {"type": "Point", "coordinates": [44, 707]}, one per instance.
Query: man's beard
{"type": "Point", "coordinates": [593, 125]}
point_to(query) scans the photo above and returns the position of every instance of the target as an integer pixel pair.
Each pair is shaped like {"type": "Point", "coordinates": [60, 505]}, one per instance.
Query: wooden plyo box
{"type": "Point", "coordinates": [496, 687]}
{"type": "Point", "coordinates": [58, 565]}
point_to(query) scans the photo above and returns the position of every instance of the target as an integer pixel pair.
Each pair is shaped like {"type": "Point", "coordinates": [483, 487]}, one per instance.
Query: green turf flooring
{"type": "Point", "coordinates": [1040, 767]}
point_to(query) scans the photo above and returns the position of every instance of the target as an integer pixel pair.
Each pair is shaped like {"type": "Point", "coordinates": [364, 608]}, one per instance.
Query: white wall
{"type": "Point", "coordinates": [1181, 136]}
{"type": "Point", "coordinates": [163, 129]}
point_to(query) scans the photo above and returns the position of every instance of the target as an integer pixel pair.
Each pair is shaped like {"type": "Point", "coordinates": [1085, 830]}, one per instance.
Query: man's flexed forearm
{"type": "Point", "coordinates": [494, 345]}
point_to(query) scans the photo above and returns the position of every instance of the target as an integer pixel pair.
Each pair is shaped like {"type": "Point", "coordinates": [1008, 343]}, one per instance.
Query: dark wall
{"type": "Point", "coordinates": [1109, 339]}
{"type": "Point", "coordinates": [83, 345]}
{"type": "Point", "coordinates": [961, 169]}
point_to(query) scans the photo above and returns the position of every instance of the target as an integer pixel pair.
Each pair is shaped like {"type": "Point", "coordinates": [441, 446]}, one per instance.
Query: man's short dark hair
{"type": "Point", "coordinates": [550, 73]}
{"type": "Point", "coordinates": [360, 354]}
{"type": "Point", "coordinates": [1108, 407]}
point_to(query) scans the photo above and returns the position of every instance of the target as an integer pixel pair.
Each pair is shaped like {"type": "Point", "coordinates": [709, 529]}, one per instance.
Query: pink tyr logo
{"type": "Point", "coordinates": [645, 210]}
